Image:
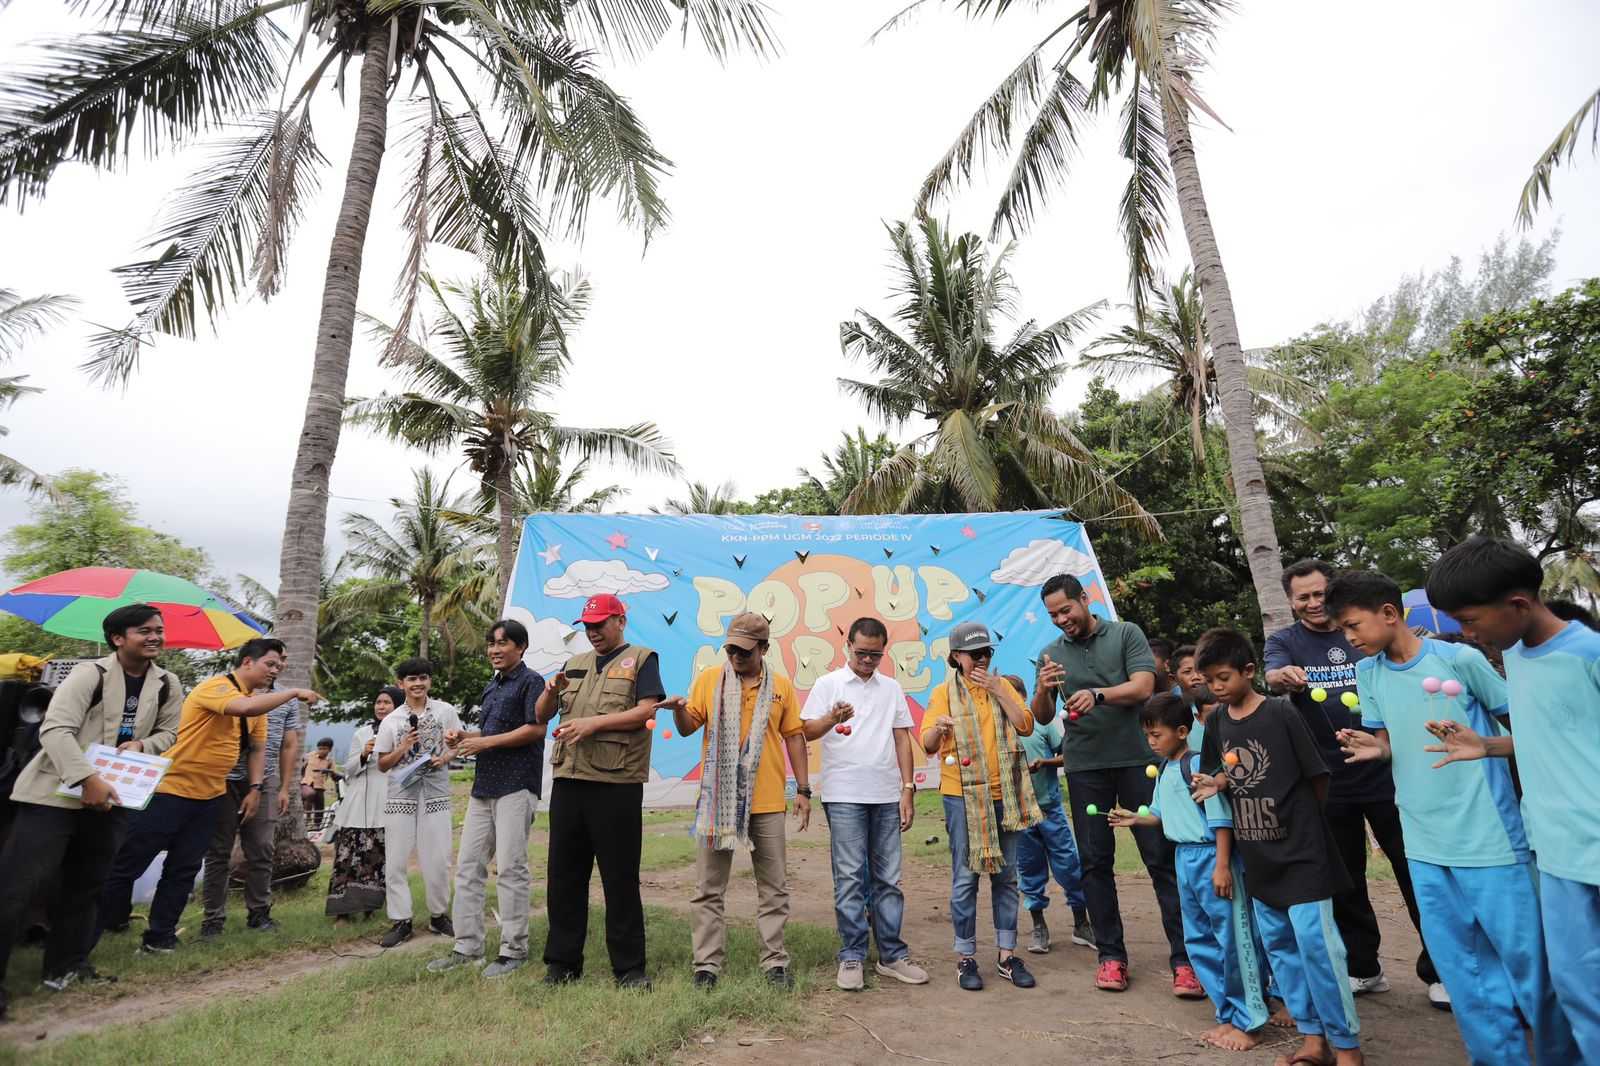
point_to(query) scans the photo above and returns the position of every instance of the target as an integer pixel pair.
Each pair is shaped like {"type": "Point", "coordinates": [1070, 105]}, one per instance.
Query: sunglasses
{"type": "Point", "coordinates": [869, 656]}
{"type": "Point", "coordinates": [982, 655]}
{"type": "Point", "coordinates": [736, 652]}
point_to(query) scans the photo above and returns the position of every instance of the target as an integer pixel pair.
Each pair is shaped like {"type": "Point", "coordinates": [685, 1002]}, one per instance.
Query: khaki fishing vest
{"type": "Point", "coordinates": [618, 757]}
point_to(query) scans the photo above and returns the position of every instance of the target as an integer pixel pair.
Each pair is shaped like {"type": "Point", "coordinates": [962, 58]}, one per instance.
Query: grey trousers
{"type": "Point", "coordinates": [255, 840]}
{"type": "Point", "coordinates": [708, 924]}
{"type": "Point", "coordinates": [497, 828]}
{"type": "Point", "coordinates": [428, 832]}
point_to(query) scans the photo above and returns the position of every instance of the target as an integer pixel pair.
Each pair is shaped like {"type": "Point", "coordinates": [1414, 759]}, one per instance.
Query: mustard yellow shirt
{"type": "Point", "coordinates": [782, 721]}
{"type": "Point", "coordinates": [950, 774]}
{"type": "Point", "coordinates": [208, 741]}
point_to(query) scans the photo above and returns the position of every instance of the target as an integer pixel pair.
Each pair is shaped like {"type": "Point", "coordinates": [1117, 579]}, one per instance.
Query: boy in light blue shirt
{"type": "Point", "coordinates": [1048, 846]}
{"type": "Point", "coordinates": [1464, 838]}
{"type": "Point", "coordinates": [1218, 931]}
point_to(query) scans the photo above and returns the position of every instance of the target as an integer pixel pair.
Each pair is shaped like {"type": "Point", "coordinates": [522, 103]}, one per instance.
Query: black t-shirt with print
{"type": "Point", "coordinates": [130, 705]}
{"type": "Point", "coordinates": [1278, 825]}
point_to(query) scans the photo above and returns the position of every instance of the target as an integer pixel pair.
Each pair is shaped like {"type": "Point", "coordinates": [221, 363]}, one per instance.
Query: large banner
{"type": "Point", "coordinates": [683, 578]}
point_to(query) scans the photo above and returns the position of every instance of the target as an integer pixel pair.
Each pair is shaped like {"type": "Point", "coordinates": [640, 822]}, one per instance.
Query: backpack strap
{"type": "Point", "coordinates": [99, 686]}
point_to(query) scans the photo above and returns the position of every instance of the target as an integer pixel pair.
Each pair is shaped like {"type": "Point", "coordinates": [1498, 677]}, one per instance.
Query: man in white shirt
{"type": "Point", "coordinates": [864, 723]}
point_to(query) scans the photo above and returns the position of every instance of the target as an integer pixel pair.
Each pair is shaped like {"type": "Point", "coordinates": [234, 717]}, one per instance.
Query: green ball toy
{"type": "Point", "coordinates": [1091, 809]}
{"type": "Point", "coordinates": [1143, 810]}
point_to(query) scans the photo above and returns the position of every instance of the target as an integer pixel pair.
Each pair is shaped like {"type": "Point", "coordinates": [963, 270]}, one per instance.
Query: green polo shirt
{"type": "Point", "coordinates": [1108, 736]}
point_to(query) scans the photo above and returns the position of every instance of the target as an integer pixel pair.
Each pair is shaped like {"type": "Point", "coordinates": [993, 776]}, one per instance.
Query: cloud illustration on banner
{"type": "Point", "coordinates": [1039, 561]}
{"type": "Point", "coordinates": [551, 642]}
{"type": "Point", "coordinates": [588, 577]}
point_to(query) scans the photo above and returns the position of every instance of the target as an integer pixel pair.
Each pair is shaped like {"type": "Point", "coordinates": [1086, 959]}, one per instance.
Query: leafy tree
{"type": "Point", "coordinates": [491, 172]}
{"type": "Point", "coordinates": [703, 499]}
{"type": "Point", "coordinates": [995, 444]}
{"type": "Point", "coordinates": [481, 386]}
{"type": "Point", "coordinates": [424, 557]}
{"type": "Point", "coordinates": [1153, 49]}
{"type": "Point", "coordinates": [1171, 340]}
{"type": "Point", "coordinates": [854, 461]}
{"type": "Point", "coordinates": [336, 618]}
{"type": "Point", "coordinates": [22, 319]}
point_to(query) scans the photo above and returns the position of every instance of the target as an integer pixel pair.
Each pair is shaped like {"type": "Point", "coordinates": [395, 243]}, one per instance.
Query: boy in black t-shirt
{"type": "Point", "coordinates": [1266, 761]}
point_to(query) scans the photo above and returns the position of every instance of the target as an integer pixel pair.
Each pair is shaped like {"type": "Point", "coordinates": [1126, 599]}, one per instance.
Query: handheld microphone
{"type": "Point", "coordinates": [416, 747]}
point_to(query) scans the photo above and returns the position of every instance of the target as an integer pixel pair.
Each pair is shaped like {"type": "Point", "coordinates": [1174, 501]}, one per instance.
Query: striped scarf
{"type": "Point", "coordinates": [728, 773]}
{"type": "Point", "coordinates": [1019, 809]}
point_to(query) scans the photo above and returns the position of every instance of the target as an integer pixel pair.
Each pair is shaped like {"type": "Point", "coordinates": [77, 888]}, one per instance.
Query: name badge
{"type": "Point", "coordinates": [623, 671]}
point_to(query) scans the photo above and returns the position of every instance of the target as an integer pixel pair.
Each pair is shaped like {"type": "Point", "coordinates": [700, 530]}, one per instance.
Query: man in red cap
{"type": "Point", "coordinates": [599, 764]}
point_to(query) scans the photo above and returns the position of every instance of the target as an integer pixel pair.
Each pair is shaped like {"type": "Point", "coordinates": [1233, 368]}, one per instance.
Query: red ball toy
{"type": "Point", "coordinates": [965, 761]}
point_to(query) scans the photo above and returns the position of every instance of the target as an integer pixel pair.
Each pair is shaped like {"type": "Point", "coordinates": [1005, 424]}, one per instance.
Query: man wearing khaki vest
{"type": "Point", "coordinates": [599, 764]}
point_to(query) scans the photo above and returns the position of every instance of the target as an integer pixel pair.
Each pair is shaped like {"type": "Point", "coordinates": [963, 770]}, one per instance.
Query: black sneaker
{"type": "Point", "coordinates": [398, 934]}
{"type": "Point", "coordinates": [562, 975]}
{"type": "Point", "coordinates": [705, 979]}
{"type": "Point", "coordinates": [210, 930]}
{"type": "Point", "coordinates": [779, 977]}
{"type": "Point", "coordinates": [158, 945]}
{"type": "Point", "coordinates": [261, 922]}
{"type": "Point", "coordinates": [634, 979]}
{"type": "Point", "coordinates": [967, 974]}
{"type": "Point", "coordinates": [1012, 970]}
{"type": "Point", "coordinates": [440, 924]}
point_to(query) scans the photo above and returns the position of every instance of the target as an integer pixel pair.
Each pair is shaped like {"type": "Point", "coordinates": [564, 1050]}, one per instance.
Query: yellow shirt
{"type": "Point", "coordinates": [208, 741]}
{"type": "Point", "coordinates": [782, 721]}
{"type": "Point", "coordinates": [950, 774]}
{"type": "Point", "coordinates": [317, 767]}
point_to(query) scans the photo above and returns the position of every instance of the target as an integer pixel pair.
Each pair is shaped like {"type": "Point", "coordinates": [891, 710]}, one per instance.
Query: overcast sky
{"type": "Point", "coordinates": [1367, 142]}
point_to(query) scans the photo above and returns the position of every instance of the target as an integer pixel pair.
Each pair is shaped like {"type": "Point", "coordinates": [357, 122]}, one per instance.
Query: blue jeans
{"type": "Point", "coordinates": [964, 883]}
{"type": "Point", "coordinates": [865, 845]}
{"type": "Point", "coordinates": [1045, 848]}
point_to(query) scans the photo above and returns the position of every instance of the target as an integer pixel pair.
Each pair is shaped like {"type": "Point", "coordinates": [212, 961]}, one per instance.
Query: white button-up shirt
{"type": "Point", "coordinates": [861, 767]}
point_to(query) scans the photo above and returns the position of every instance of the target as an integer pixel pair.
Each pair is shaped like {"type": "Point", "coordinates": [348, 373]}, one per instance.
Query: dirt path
{"type": "Point", "coordinates": [1065, 1017]}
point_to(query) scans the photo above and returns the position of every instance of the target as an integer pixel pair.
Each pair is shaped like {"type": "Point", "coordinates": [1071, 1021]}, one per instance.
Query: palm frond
{"type": "Point", "coordinates": [480, 201]}
{"type": "Point", "coordinates": [965, 460]}
{"type": "Point", "coordinates": [1143, 208]}
{"type": "Point", "coordinates": [642, 447]}
{"type": "Point", "coordinates": [82, 101]}
{"type": "Point", "coordinates": [24, 317]}
{"type": "Point", "coordinates": [1561, 150]}
{"type": "Point", "coordinates": [1044, 155]}
{"type": "Point", "coordinates": [726, 26]}
{"type": "Point", "coordinates": [15, 472]}
{"type": "Point", "coordinates": [207, 233]}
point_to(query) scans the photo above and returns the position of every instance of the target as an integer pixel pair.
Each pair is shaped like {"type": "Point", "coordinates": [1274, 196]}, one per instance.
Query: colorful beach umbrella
{"type": "Point", "coordinates": [1419, 612]}
{"type": "Point", "coordinates": [73, 603]}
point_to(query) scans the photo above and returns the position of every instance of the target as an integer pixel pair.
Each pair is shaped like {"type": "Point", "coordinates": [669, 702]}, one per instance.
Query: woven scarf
{"type": "Point", "coordinates": [1018, 808]}
{"type": "Point", "coordinates": [728, 773]}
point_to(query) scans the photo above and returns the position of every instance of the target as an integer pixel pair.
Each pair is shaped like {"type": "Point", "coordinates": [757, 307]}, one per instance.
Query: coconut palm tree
{"type": "Point", "coordinates": [481, 383]}
{"type": "Point", "coordinates": [1172, 341]}
{"type": "Point", "coordinates": [994, 443]}
{"type": "Point", "coordinates": [509, 133]}
{"type": "Point", "coordinates": [855, 460]}
{"type": "Point", "coordinates": [22, 319]}
{"type": "Point", "coordinates": [1562, 149]}
{"type": "Point", "coordinates": [335, 618]}
{"type": "Point", "coordinates": [1148, 52]}
{"type": "Point", "coordinates": [424, 556]}
{"type": "Point", "coordinates": [703, 499]}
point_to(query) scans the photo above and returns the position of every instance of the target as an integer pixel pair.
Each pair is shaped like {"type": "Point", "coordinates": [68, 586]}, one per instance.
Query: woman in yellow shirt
{"type": "Point", "coordinates": [988, 796]}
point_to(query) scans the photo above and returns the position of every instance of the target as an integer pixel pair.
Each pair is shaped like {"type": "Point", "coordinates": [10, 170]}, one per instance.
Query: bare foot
{"type": "Point", "coordinates": [1280, 1015]}
{"type": "Point", "coordinates": [1314, 1051]}
{"type": "Point", "coordinates": [1350, 1057]}
{"type": "Point", "coordinates": [1232, 1038]}
{"type": "Point", "coordinates": [1209, 1036]}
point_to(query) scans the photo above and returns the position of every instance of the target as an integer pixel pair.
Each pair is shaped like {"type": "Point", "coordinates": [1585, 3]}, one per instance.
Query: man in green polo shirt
{"type": "Point", "coordinates": [1101, 671]}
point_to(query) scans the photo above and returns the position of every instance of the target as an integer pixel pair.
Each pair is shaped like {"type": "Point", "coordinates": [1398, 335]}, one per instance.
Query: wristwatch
{"type": "Point", "coordinates": [803, 790]}
{"type": "Point", "coordinates": [1099, 697]}
{"type": "Point", "coordinates": [259, 786]}
{"type": "Point", "coordinates": [908, 787]}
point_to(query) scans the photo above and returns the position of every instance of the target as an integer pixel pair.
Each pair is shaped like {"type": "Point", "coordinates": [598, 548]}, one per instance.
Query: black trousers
{"type": "Point", "coordinates": [590, 822]}
{"type": "Point", "coordinates": [74, 850]}
{"type": "Point", "coordinates": [1097, 847]}
{"type": "Point", "coordinates": [178, 826]}
{"type": "Point", "coordinates": [1352, 910]}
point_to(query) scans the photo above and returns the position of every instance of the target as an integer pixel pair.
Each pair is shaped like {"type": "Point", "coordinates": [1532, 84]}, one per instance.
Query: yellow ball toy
{"type": "Point", "coordinates": [1151, 772]}
{"type": "Point", "coordinates": [1349, 699]}
{"type": "Point", "coordinates": [1319, 694]}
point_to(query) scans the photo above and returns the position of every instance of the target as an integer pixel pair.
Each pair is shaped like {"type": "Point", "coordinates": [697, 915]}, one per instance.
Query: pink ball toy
{"type": "Point", "coordinates": [1431, 685]}
{"type": "Point", "coordinates": [1451, 688]}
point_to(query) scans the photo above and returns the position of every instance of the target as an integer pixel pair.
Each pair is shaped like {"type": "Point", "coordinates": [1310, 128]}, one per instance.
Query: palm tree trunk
{"type": "Point", "coordinates": [427, 626]}
{"type": "Point", "coordinates": [1256, 531]}
{"type": "Point", "coordinates": [506, 537]}
{"type": "Point", "coordinates": [1197, 428]}
{"type": "Point", "coordinates": [305, 527]}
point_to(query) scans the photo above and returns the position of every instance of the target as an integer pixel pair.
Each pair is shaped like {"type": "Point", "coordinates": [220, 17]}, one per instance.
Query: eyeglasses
{"type": "Point", "coordinates": [736, 652]}
{"type": "Point", "coordinates": [868, 656]}
{"type": "Point", "coordinates": [982, 655]}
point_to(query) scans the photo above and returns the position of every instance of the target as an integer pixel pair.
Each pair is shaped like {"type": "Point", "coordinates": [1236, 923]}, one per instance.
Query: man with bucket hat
{"type": "Point", "coordinates": [599, 764]}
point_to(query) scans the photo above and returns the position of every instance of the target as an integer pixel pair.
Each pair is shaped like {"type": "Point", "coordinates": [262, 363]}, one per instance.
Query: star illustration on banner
{"type": "Point", "coordinates": [969, 532]}
{"type": "Point", "coordinates": [551, 555]}
{"type": "Point", "coordinates": [617, 541]}
{"type": "Point", "coordinates": [1031, 617]}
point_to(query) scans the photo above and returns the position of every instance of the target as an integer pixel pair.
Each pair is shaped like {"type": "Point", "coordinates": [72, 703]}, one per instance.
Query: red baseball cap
{"type": "Point", "coordinates": [599, 608]}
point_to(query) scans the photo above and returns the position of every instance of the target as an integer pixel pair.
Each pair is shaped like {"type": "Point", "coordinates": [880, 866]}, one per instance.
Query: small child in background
{"type": "Point", "coordinates": [1161, 649]}
{"type": "Point", "coordinates": [1191, 685]}
{"type": "Point", "coordinates": [1268, 764]}
{"type": "Point", "coordinates": [1491, 587]}
{"type": "Point", "coordinates": [1217, 928]}
{"type": "Point", "coordinates": [1048, 847]}
{"type": "Point", "coordinates": [1464, 840]}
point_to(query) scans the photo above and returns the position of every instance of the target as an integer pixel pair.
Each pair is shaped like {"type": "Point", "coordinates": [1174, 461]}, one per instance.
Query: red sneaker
{"type": "Point", "coordinates": [1112, 976]}
{"type": "Point", "coordinates": [1185, 985]}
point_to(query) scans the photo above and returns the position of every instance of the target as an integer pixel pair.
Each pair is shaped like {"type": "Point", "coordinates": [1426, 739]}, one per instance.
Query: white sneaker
{"type": "Point", "coordinates": [1438, 997]}
{"type": "Point", "coordinates": [1360, 986]}
{"type": "Point", "coordinates": [903, 970]}
{"type": "Point", "coordinates": [850, 978]}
